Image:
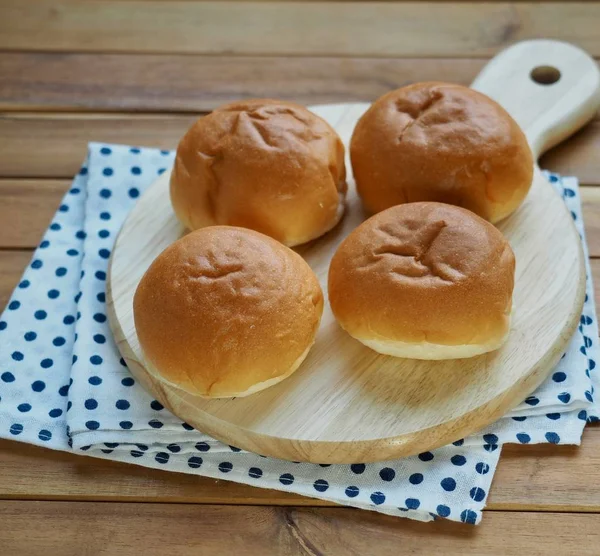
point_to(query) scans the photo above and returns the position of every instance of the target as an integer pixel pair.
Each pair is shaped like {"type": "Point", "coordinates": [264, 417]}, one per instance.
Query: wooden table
{"type": "Point", "coordinates": [139, 72]}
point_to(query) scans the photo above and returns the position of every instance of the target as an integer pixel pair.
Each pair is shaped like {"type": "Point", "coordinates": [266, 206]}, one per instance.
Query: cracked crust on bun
{"type": "Point", "coordinates": [226, 312]}
{"type": "Point", "coordinates": [424, 281]}
{"type": "Point", "coordinates": [441, 142]}
{"type": "Point", "coordinates": [268, 165]}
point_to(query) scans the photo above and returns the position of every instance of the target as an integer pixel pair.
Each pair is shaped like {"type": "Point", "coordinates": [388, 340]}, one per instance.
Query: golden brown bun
{"type": "Point", "coordinates": [226, 312]}
{"type": "Point", "coordinates": [425, 281]}
{"type": "Point", "coordinates": [268, 165]}
{"type": "Point", "coordinates": [441, 142]}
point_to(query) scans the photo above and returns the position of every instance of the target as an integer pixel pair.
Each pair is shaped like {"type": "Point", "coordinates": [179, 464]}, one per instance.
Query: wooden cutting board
{"type": "Point", "coordinates": [349, 404]}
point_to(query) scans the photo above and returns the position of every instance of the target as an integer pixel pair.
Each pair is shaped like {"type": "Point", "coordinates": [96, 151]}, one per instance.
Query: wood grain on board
{"type": "Point", "coordinates": [152, 529]}
{"type": "Point", "coordinates": [464, 29]}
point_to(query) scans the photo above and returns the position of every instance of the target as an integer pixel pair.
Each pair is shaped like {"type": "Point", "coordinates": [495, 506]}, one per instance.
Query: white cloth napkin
{"type": "Point", "coordinates": [63, 384]}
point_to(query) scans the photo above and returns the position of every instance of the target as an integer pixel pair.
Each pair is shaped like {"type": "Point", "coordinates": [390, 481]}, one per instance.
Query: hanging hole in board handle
{"type": "Point", "coordinates": [545, 75]}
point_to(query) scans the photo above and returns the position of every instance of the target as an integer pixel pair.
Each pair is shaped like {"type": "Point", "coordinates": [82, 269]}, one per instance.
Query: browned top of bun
{"type": "Point", "coordinates": [441, 142]}
{"type": "Point", "coordinates": [223, 309]}
{"type": "Point", "coordinates": [423, 272]}
{"type": "Point", "coordinates": [268, 165]}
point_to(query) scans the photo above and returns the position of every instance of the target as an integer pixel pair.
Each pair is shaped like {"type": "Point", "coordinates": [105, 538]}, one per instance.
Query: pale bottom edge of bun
{"type": "Point", "coordinates": [156, 375]}
{"type": "Point", "coordinates": [432, 352]}
{"type": "Point", "coordinates": [341, 208]}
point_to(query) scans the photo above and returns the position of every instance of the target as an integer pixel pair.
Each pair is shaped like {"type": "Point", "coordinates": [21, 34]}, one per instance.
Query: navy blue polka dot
{"type": "Point", "coordinates": [161, 171]}
{"type": "Point", "coordinates": [75, 190]}
{"type": "Point", "coordinates": [126, 425]}
{"type": "Point", "coordinates": [99, 338]}
{"type": "Point", "coordinates": [591, 364]}
{"type": "Point", "coordinates": [92, 425]}
{"type": "Point", "coordinates": [477, 494]}
{"type": "Point", "coordinates": [412, 503]}
{"type": "Point", "coordinates": [286, 479]}
{"type": "Point", "coordinates": [448, 484]}
{"type": "Point", "coordinates": [72, 252]}
{"type": "Point", "coordinates": [416, 479]}
{"type": "Point", "coordinates": [69, 405]}
{"type": "Point", "coordinates": [426, 456]}
{"type": "Point", "coordinates": [64, 390]}
{"type": "Point", "coordinates": [552, 437]}
{"type": "Point", "coordinates": [559, 377]}
{"type": "Point", "coordinates": [24, 407]}
{"type": "Point", "coordinates": [105, 151]}
{"type": "Point", "coordinates": [588, 396]}
{"type": "Point", "coordinates": [104, 253]}
{"type": "Point", "coordinates": [378, 498]}
{"type": "Point", "coordinates": [96, 360]}
{"type": "Point", "coordinates": [175, 448]}
{"type": "Point", "coordinates": [3, 325]}
{"type": "Point", "coordinates": [16, 429]}
{"type": "Point", "coordinates": [17, 356]}
{"type": "Point", "coordinates": [458, 460]}
{"type": "Point", "coordinates": [40, 314]}
{"type": "Point", "coordinates": [46, 363]}
{"type": "Point", "coordinates": [7, 377]}
{"type": "Point", "coordinates": [14, 305]}
{"type": "Point", "coordinates": [45, 244]}
{"type": "Point", "coordinates": [45, 435]}
{"type": "Point", "coordinates": [38, 386]}
{"type": "Point", "coordinates": [155, 424]}
{"type": "Point", "coordinates": [59, 341]}
{"type": "Point", "coordinates": [582, 415]}
{"type": "Point", "coordinates": [468, 516]}
{"type": "Point", "coordinates": [37, 264]}
{"type": "Point", "coordinates": [321, 485]}
{"type": "Point", "coordinates": [108, 171]}
{"type": "Point", "coordinates": [443, 511]}
{"type": "Point", "coordinates": [53, 294]}
{"type": "Point", "coordinates": [532, 400]}
{"type": "Point", "coordinates": [122, 362]}
{"type": "Point", "coordinates": [202, 447]}
{"type": "Point", "coordinates": [553, 416]}
{"type": "Point", "coordinates": [55, 226]}
{"type": "Point", "coordinates": [520, 419]}
{"type": "Point", "coordinates": [83, 171]}
{"type": "Point", "coordinates": [490, 439]}
{"type": "Point", "coordinates": [136, 170]}
{"type": "Point", "coordinates": [156, 405]}
{"type": "Point", "coordinates": [122, 404]}
{"type": "Point", "coordinates": [136, 453]}
{"type": "Point", "coordinates": [101, 297]}
{"type": "Point", "coordinates": [24, 284]}
{"type": "Point", "coordinates": [225, 467]}
{"type": "Point", "coordinates": [387, 474]}
{"type": "Point", "coordinates": [195, 462]}
{"type": "Point", "coordinates": [75, 356]}
{"type": "Point", "coordinates": [69, 319]}
{"type": "Point", "coordinates": [60, 271]}
{"type": "Point", "coordinates": [91, 403]}
{"type": "Point", "coordinates": [95, 380]}
{"type": "Point", "coordinates": [162, 457]}
{"type": "Point", "coordinates": [100, 275]}
{"type": "Point", "coordinates": [78, 297]}
{"type": "Point", "coordinates": [459, 442]}
{"type": "Point", "coordinates": [358, 468]}
{"type": "Point", "coordinates": [234, 449]}
{"type": "Point", "coordinates": [352, 491]}
{"type": "Point", "coordinates": [490, 447]}
{"type": "Point", "coordinates": [80, 234]}
{"type": "Point", "coordinates": [103, 233]}
{"type": "Point", "coordinates": [63, 208]}
{"type": "Point", "coordinates": [164, 153]}
{"type": "Point", "coordinates": [55, 413]}
{"type": "Point", "coordinates": [134, 150]}
{"type": "Point", "coordinates": [134, 192]}
{"type": "Point", "coordinates": [105, 215]}
{"type": "Point", "coordinates": [127, 381]}
{"type": "Point", "coordinates": [100, 317]}
{"type": "Point", "coordinates": [105, 193]}
{"type": "Point", "coordinates": [482, 468]}
{"type": "Point", "coordinates": [565, 397]}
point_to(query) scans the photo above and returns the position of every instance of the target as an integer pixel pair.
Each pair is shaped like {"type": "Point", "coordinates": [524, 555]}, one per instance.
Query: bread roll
{"type": "Point", "coordinates": [268, 165]}
{"type": "Point", "coordinates": [441, 142]}
{"type": "Point", "coordinates": [424, 281]}
{"type": "Point", "coordinates": [226, 312]}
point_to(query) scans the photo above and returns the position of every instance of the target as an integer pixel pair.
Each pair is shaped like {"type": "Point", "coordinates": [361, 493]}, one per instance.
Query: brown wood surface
{"type": "Point", "coordinates": [139, 72]}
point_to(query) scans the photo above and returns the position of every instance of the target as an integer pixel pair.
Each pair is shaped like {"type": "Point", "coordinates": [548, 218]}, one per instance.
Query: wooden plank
{"type": "Point", "coordinates": [299, 28]}
{"type": "Point", "coordinates": [41, 528]}
{"type": "Point", "coordinates": [26, 210]}
{"type": "Point", "coordinates": [54, 145]}
{"type": "Point", "coordinates": [12, 265]}
{"type": "Point", "coordinates": [521, 481]}
{"type": "Point", "coordinates": [189, 83]}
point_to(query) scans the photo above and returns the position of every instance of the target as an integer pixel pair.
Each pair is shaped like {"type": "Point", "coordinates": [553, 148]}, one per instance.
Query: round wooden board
{"type": "Point", "coordinates": [347, 403]}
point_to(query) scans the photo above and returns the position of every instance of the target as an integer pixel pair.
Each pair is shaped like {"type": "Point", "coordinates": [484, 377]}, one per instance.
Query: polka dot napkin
{"type": "Point", "coordinates": [64, 385]}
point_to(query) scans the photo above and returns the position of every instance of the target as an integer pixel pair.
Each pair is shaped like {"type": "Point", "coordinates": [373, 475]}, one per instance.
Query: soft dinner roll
{"type": "Point", "coordinates": [441, 142]}
{"type": "Point", "coordinates": [268, 165]}
{"type": "Point", "coordinates": [226, 312]}
{"type": "Point", "coordinates": [424, 281]}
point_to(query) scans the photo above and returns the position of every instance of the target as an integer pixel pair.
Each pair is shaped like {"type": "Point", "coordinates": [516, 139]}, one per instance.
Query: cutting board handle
{"type": "Point", "coordinates": [550, 88]}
